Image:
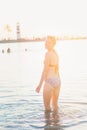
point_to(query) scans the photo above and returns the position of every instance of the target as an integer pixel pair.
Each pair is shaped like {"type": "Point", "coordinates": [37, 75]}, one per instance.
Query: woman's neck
{"type": "Point", "coordinates": [51, 49]}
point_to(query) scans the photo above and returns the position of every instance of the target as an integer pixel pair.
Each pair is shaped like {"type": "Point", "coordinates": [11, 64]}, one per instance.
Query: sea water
{"type": "Point", "coordinates": [21, 108]}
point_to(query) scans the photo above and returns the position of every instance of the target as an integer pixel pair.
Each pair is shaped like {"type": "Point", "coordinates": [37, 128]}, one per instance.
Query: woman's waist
{"type": "Point", "coordinates": [53, 77]}
{"type": "Point", "coordinates": [52, 74]}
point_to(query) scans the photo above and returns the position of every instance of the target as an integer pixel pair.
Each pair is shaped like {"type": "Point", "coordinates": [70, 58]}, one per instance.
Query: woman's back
{"type": "Point", "coordinates": [53, 58]}
{"type": "Point", "coordinates": [53, 64]}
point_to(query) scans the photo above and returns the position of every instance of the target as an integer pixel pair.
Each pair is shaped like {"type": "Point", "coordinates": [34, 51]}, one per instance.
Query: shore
{"type": "Point", "coordinates": [20, 40]}
{"type": "Point", "coordinates": [39, 39]}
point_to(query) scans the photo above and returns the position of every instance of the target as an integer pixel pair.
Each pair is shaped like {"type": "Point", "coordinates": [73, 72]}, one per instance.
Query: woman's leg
{"type": "Point", "coordinates": [55, 96]}
{"type": "Point", "coordinates": [47, 93]}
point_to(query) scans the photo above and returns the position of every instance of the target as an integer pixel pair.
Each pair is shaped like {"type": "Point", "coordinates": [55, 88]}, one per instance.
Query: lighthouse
{"type": "Point", "coordinates": [18, 31]}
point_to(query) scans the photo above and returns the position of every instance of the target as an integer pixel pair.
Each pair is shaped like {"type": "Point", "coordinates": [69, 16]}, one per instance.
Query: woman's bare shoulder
{"type": "Point", "coordinates": [51, 54]}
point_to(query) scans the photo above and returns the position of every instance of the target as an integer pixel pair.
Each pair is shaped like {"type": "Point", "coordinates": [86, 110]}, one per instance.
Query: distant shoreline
{"type": "Point", "coordinates": [39, 40]}
{"type": "Point", "coordinates": [19, 41]}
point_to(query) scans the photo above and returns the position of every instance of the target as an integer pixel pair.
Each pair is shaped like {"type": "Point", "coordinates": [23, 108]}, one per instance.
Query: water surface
{"type": "Point", "coordinates": [21, 108]}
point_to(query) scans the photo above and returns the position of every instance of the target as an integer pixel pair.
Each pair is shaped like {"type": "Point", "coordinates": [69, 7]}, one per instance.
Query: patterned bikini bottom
{"type": "Point", "coordinates": [54, 81]}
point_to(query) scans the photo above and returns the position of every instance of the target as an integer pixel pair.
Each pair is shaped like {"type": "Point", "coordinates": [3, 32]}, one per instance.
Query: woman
{"type": "Point", "coordinates": [50, 75]}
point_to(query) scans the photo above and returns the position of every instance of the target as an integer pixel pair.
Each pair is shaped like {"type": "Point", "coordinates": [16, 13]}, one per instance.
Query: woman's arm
{"type": "Point", "coordinates": [44, 72]}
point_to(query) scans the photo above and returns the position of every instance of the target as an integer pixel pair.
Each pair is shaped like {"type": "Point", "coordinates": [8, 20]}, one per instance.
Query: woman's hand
{"type": "Point", "coordinates": [38, 89]}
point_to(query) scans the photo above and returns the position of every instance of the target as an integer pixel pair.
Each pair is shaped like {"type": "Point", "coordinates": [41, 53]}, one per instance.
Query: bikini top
{"type": "Point", "coordinates": [55, 67]}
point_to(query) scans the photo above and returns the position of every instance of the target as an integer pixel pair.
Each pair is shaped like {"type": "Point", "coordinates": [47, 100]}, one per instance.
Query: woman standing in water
{"type": "Point", "coordinates": [50, 75]}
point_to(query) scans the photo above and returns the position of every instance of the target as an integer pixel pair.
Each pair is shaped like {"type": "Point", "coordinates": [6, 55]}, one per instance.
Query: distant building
{"type": "Point", "coordinates": [18, 31]}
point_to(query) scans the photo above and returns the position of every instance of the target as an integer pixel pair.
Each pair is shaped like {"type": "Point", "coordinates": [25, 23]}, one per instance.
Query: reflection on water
{"type": "Point", "coordinates": [21, 108]}
{"type": "Point", "coordinates": [52, 121]}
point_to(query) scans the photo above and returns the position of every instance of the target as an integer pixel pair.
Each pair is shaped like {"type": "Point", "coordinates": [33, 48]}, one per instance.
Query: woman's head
{"type": "Point", "coordinates": [50, 42]}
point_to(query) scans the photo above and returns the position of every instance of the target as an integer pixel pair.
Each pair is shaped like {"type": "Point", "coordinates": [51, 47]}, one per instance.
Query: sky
{"type": "Point", "coordinates": [44, 17]}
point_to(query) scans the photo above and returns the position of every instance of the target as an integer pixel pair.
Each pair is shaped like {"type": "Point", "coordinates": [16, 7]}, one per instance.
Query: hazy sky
{"type": "Point", "coordinates": [42, 17]}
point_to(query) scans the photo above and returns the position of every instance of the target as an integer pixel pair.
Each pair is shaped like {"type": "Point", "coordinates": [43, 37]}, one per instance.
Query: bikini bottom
{"type": "Point", "coordinates": [54, 81]}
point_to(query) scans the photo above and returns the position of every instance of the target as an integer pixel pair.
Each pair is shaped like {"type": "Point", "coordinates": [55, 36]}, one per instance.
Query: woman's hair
{"type": "Point", "coordinates": [52, 38]}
